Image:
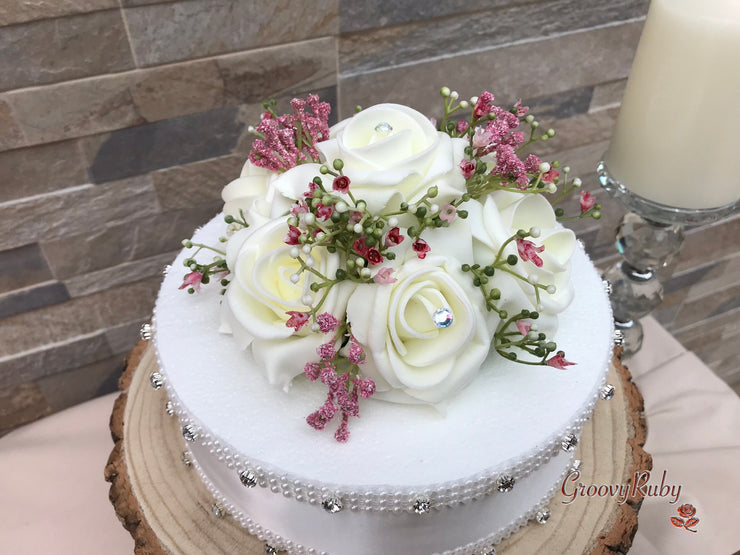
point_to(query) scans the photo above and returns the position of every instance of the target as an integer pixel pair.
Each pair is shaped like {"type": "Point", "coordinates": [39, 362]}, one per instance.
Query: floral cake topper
{"type": "Point", "coordinates": [387, 257]}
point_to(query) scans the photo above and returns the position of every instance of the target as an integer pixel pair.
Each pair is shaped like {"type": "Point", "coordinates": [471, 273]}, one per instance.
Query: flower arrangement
{"type": "Point", "coordinates": [386, 256]}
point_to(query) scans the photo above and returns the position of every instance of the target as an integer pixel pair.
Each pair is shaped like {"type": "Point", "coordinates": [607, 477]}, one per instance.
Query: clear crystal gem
{"type": "Point", "coordinates": [169, 408]}
{"type": "Point", "coordinates": [186, 460]}
{"type": "Point", "coordinates": [383, 127]}
{"type": "Point", "coordinates": [166, 269]}
{"type": "Point", "coordinates": [422, 505]}
{"type": "Point", "coordinates": [156, 380]}
{"type": "Point", "coordinates": [569, 443]}
{"type": "Point", "coordinates": [576, 464]}
{"type": "Point", "coordinates": [189, 432]}
{"type": "Point", "coordinates": [505, 483]}
{"type": "Point", "coordinates": [607, 391]}
{"type": "Point", "coordinates": [607, 286]}
{"type": "Point", "coordinates": [442, 317]}
{"type": "Point", "coordinates": [269, 550]}
{"type": "Point", "coordinates": [488, 551]}
{"type": "Point", "coordinates": [248, 478]}
{"type": "Point", "coordinates": [618, 337]}
{"type": "Point", "coordinates": [218, 510]}
{"type": "Point", "coordinates": [146, 331]}
{"type": "Point", "coordinates": [542, 516]}
{"type": "Point", "coordinates": [332, 504]}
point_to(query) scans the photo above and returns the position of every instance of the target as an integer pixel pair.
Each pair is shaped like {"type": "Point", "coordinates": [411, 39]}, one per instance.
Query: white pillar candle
{"type": "Point", "coordinates": [677, 138]}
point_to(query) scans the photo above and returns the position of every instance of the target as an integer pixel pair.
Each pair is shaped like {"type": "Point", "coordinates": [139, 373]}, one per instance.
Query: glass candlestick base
{"type": "Point", "coordinates": [649, 239]}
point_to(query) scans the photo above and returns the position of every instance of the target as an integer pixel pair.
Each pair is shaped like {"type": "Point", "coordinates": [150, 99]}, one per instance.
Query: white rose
{"type": "Point", "coordinates": [410, 358]}
{"type": "Point", "coordinates": [388, 167]}
{"type": "Point", "coordinates": [500, 217]}
{"type": "Point", "coordinates": [261, 293]}
{"type": "Point", "coordinates": [253, 194]}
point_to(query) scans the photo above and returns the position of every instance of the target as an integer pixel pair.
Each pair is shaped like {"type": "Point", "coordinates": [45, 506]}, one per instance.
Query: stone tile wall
{"type": "Point", "coordinates": [120, 121]}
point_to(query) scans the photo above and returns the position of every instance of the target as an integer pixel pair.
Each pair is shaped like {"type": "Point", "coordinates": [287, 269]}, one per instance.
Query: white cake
{"type": "Point", "coordinates": [455, 476]}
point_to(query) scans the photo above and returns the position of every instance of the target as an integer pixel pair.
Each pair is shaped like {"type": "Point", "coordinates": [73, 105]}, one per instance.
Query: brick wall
{"type": "Point", "coordinates": [120, 121]}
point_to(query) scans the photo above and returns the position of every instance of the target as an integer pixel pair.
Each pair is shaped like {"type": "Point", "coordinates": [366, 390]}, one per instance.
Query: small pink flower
{"type": "Point", "coordinates": [482, 138]}
{"type": "Point", "coordinates": [523, 327]}
{"type": "Point", "coordinates": [373, 256]}
{"type": "Point", "coordinates": [291, 238]}
{"type": "Point", "coordinates": [324, 212]}
{"type": "Point", "coordinates": [587, 201]}
{"type": "Point", "coordinates": [519, 109]}
{"type": "Point", "coordinates": [327, 322]}
{"type": "Point", "coordinates": [447, 213]}
{"type": "Point", "coordinates": [558, 361]}
{"type": "Point", "coordinates": [360, 246]}
{"type": "Point", "coordinates": [421, 248]}
{"type": "Point", "coordinates": [341, 183]}
{"type": "Point", "coordinates": [355, 217]}
{"type": "Point", "coordinates": [300, 207]}
{"type": "Point", "coordinates": [393, 237]}
{"type": "Point", "coordinates": [384, 275]}
{"type": "Point", "coordinates": [468, 168]}
{"type": "Point", "coordinates": [193, 279]}
{"type": "Point", "coordinates": [326, 351]}
{"type": "Point", "coordinates": [462, 126]}
{"type": "Point", "coordinates": [342, 433]}
{"type": "Point", "coordinates": [484, 105]}
{"type": "Point", "coordinates": [312, 371]}
{"type": "Point", "coordinates": [311, 188]}
{"type": "Point", "coordinates": [550, 176]}
{"type": "Point", "coordinates": [528, 251]}
{"type": "Point", "coordinates": [297, 319]}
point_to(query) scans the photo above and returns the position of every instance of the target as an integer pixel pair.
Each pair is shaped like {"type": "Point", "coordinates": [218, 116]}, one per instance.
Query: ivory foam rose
{"type": "Point", "coordinates": [261, 294]}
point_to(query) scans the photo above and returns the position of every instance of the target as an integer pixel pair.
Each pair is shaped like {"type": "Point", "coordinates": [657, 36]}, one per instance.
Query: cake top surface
{"type": "Point", "coordinates": [509, 413]}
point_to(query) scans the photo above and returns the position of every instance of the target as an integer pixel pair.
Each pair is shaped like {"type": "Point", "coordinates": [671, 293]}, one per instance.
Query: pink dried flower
{"type": "Point", "coordinates": [300, 207]}
{"type": "Point", "coordinates": [365, 386]}
{"type": "Point", "coordinates": [587, 201]}
{"type": "Point", "coordinates": [528, 251]}
{"type": "Point", "coordinates": [384, 276]}
{"type": "Point", "coordinates": [326, 351]}
{"type": "Point", "coordinates": [341, 183]}
{"type": "Point", "coordinates": [421, 248]}
{"type": "Point", "coordinates": [550, 176]}
{"type": "Point", "coordinates": [193, 279]}
{"type": "Point", "coordinates": [462, 126]}
{"type": "Point", "coordinates": [312, 370]}
{"type": "Point", "coordinates": [356, 353]}
{"type": "Point", "coordinates": [558, 361]}
{"type": "Point", "coordinates": [311, 188]}
{"type": "Point", "coordinates": [509, 165]}
{"type": "Point", "coordinates": [291, 238]}
{"type": "Point", "coordinates": [393, 237]}
{"type": "Point", "coordinates": [482, 139]}
{"type": "Point", "coordinates": [297, 319]}
{"type": "Point", "coordinates": [484, 105]}
{"type": "Point", "coordinates": [448, 213]}
{"type": "Point", "coordinates": [327, 322]}
{"type": "Point", "coordinates": [468, 168]}
{"type": "Point", "coordinates": [342, 433]}
{"type": "Point", "coordinates": [532, 163]}
{"type": "Point", "coordinates": [355, 217]}
{"type": "Point", "coordinates": [523, 327]}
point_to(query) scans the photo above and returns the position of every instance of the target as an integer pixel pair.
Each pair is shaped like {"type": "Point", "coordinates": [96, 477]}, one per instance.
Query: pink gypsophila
{"type": "Point", "coordinates": [462, 126]}
{"type": "Point", "coordinates": [326, 351]}
{"type": "Point", "coordinates": [558, 361]}
{"type": "Point", "coordinates": [587, 201]}
{"type": "Point", "coordinates": [327, 322]}
{"type": "Point", "coordinates": [484, 105]}
{"type": "Point", "coordinates": [528, 251]}
{"type": "Point", "coordinates": [510, 166]}
{"type": "Point", "coordinates": [356, 353]}
{"type": "Point", "coordinates": [193, 279]}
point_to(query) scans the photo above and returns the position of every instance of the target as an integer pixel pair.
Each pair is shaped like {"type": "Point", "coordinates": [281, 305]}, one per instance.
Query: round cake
{"type": "Point", "coordinates": [451, 467]}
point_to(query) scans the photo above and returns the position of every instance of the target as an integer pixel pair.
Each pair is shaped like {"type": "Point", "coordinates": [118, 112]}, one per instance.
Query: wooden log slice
{"type": "Point", "coordinates": [167, 509]}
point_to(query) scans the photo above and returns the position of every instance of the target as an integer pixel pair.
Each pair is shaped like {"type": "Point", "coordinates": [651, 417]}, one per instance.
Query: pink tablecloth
{"type": "Point", "coordinates": [53, 499]}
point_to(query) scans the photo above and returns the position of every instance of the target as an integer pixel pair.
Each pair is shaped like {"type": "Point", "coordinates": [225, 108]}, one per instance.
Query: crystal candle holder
{"type": "Point", "coordinates": [649, 239]}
